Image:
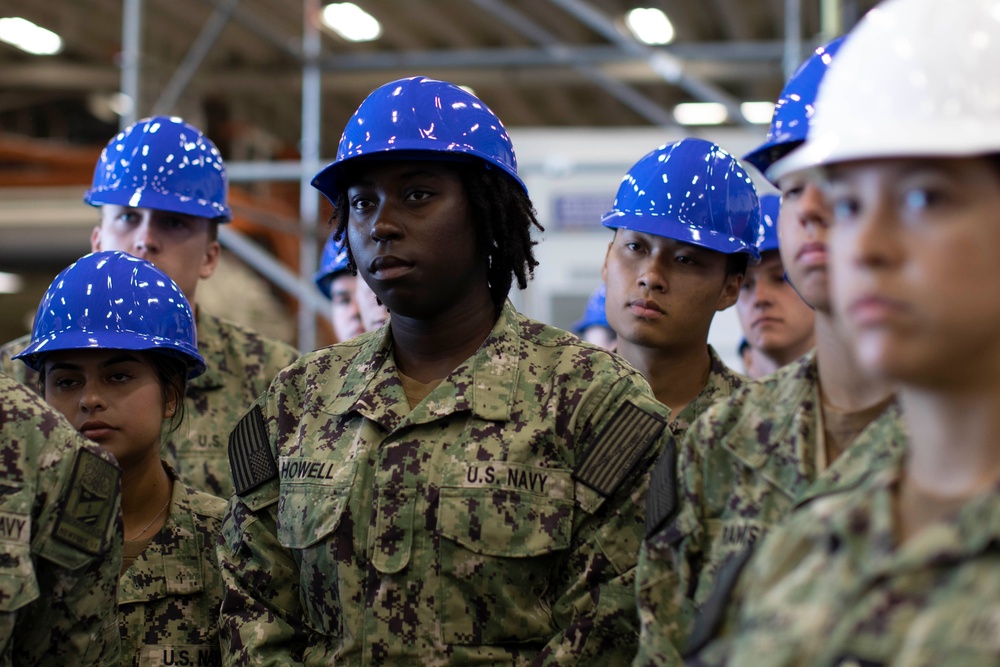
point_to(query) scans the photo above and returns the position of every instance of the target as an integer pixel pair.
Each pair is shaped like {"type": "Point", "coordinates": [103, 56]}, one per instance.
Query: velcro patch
{"type": "Point", "coordinates": [88, 505]}
{"type": "Point", "coordinates": [661, 500]}
{"type": "Point", "coordinates": [618, 448]}
{"type": "Point", "coordinates": [250, 457]}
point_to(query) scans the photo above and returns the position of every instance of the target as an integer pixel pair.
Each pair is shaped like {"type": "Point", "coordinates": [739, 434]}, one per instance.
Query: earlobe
{"type": "Point", "coordinates": [95, 239]}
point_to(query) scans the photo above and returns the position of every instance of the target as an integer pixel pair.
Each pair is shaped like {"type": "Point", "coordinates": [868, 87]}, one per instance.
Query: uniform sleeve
{"type": "Point", "coordinates": [670, 559]}
{"type": "Point", "coordinates": [260, 618]}
{"type": "Point", "coordinates": [595, 610]}
{"type": "Point", "coordinates": [75, 553]}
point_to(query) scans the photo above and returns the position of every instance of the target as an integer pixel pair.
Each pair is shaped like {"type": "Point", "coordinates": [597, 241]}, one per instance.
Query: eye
{"type": "Point", "coordinates": [687, 260]}
{"type": "Point", "coordinates": [844, 207]}
{"type": "Point", "coordinates": [360, 203]}
{"type": "Point", "coordinates": [64, 382]}
{"type": "Point", "coordinates": [918, 199]}
{"type": "Point", "coordinates": [118, 377]}
{"type": "Point", "coordinates": [418, 194]}
{"type": "Point", "coordinates": [747, 285]}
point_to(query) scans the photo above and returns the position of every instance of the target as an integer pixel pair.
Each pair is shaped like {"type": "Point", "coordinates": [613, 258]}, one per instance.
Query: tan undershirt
{"type": "Point", "coordinates": [841, 428]}
{"type": "Point", "coordinates": [415, 390]}
{"type": "Point", "coordinates": [132, 550]}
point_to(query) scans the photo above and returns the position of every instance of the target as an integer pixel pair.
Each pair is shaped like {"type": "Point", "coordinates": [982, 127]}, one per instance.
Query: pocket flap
{"type": "Point", "coordinates": [504, 522]}
{"type": "Point", "coordinates": [312, 500]}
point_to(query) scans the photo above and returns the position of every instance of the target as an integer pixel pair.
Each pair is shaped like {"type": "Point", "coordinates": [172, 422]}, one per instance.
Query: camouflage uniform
{"type": "Point", "coordinates": [168, 599]}
{"type": "Point", "coordinates": [241, 363]}
{"type": "Point", "coordinates": [742, 467]}
{"type": "Point", "coordinates": [722, 381]}
{"type": "Point", "coordinates": [497, 522]}
{"type": "Point", "coordinates": [834, 587]}
{"type": "Point", "coordinates": [60, 531]}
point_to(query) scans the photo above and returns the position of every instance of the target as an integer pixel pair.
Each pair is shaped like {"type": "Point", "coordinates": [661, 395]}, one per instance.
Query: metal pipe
{"type": "Point", "coordinates": [273, 270]}
{"type": "Point", "coordinates": [310, 146]}
{"type": "Point", "coordinates": [194, 57]}
{"type": "Point", "coordinates": [793, 37]}
{"type": "Point", "coordinates": [130, 60]}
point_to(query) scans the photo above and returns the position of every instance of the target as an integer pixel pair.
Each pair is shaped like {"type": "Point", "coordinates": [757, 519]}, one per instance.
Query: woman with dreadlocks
{"type": "Point", "coordinates": [464, 485]}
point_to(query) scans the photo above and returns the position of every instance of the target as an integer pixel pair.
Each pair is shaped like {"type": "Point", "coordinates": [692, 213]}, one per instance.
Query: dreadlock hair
{"type": "Point", "coordinates": [503, 215]}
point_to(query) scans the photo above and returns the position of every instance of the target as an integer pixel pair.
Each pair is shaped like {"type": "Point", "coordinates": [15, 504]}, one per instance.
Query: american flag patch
{"type": "Point", "coordinates": [618, 448]}
{"type": "Point", "coordinates": [250, 454]}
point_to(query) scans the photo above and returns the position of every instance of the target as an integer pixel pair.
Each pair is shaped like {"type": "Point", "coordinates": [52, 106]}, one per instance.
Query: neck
{"type": "Point", "coordinates": [146, 488]}
{"type": "Point", "coordinates": [430, 349]}
{"type": "Point", "coordinates": [953, 440]}
{"type": "Point", "coordinates": [676, 377]}
{"type": "Point", "coordinates": [845, 385]}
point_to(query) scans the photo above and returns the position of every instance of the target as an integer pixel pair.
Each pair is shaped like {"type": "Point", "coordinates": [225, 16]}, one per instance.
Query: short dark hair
{"type": "Point", "coordinates": [737, 263]}
{"type": "Point", "coordinates": [503, 215]}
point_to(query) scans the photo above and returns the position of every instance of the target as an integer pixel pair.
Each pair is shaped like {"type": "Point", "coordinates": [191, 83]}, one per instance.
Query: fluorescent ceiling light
{"type": "Point", "coordinates": [10, 283]}
{"type": "Point", "coordinates": [351, 22]}
{"type": "Point", "coordinates": [29, 37]}
{"type": "Point", "coordinates": [650, 25]}
{"type": "Point", "coordinates": [758, 113]}
{"type": "Point", "coordinates": [700, 113]}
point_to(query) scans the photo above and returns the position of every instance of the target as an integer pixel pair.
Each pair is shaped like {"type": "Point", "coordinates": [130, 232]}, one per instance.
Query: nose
{"type": "Point", "coordinates": [813, 208]}
{"type": "Point", "coordinates": [146, 240]}
{"type": "Point", "coordinates": [873, 238]}
{"type": "Point", "coordinates": [92, 400]}
{"type": "Point", "coordinates": [385, 224]}
{"type": "Point", "coordinates": [762, 294]}
{"type": "Point", "coordinates": [651, 278]}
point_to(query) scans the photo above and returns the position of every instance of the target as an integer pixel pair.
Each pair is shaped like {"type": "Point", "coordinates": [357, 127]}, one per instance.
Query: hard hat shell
{"type": "Point", "coordinates": [162, 163]}
{"type": "Point", "coordinates": [767, 232]}
{"type": "Point", "coordinates": [915, 78]}
{"type": "Point", "coordinates": [795, 106]}
{"type": "Point", "coordinates": [594, 313]}
{"type": "Point", "coordinates": [333, 262]}
{"type": "Point", "coordinates": [692, 191]}
{"type": "Point", "coordinates": [421, 115]}
{"type": "Point", "coordinates": [113, 300]}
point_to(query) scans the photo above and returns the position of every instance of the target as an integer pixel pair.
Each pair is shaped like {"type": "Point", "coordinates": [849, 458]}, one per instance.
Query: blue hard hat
{"type": "Point", "coordinates": [162, 163]}
{"type": "Point", "coordinates": [767, 232]}
{"type": "Point", "coordinates": [794, 109]}
{"type": "Point", "coordinates": [594, 313]}
{"type": "Point", "coordinates": [422, 115]}
{"type": "Point", "coordinates": [333, 262]}
{"type": "Point", "coordinates": [692, 191]}
{"type": "Point", "coordinates": [113, 300]}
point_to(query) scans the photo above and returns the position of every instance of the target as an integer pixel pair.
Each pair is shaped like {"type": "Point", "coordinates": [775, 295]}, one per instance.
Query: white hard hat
{"type": "Point", "coordinates": [914, 78]}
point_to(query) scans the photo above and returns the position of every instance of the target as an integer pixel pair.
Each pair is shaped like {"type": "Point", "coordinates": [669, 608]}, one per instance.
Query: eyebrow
{"type": "Point", "coordinates": [124, 357]}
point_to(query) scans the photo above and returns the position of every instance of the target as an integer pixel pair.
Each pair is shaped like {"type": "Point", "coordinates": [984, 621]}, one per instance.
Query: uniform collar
{"type": "Point", "coordinates": [484, 384]}
{"type": "Point", "coordinates": [722, 381]}
{"type": "Point", "coordinates": [210, 349]}
{"type": "Point", "coordinates": [783, 449]}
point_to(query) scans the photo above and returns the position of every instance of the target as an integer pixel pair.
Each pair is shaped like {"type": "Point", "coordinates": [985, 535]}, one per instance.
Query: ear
{"type": "Point", "coordinates": [170, 407]}
{"type": "Point", "coordinates": [730, 291]}
{"type": "Point", "coordinates": [95, 239]}
{"type": "Point", "coordinates": [210, 261]}
{"type": "Point", "coordinates": [604, 267]}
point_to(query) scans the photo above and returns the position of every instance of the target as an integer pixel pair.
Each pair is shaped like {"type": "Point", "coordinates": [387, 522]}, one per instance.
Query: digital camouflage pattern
{"type": "Point", "coordinates": [241, 364]}
{"type": "Point", "coordinates": [722, 381]}
{"type": "Point", "coordinates": [467, 531]}
{"type": "Point", "coordinates": [168, 599]}
{"type": "Point", "coordinates": [742, 466]}
{"type": "Point", "coordinates": [60, 538]}
{"type": "Point", "coordinates": [833, 586]}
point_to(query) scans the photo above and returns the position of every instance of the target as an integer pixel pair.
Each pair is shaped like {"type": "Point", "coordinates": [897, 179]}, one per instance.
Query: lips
{"type": "Point", "coordinates": [645, 309]}
{"type": "Point", "coordinates": [873, 310]}
{"type": "Point", "coordinates": [764, 321]}
{"type": "Point", "coordinates": [96, 429]}
{"type": "Point", "coordinates": [812, 254]}
{"type": "Point", "coordinates": [385, 267]}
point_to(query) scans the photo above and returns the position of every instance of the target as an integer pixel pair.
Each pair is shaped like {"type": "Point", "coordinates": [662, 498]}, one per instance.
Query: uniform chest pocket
{"type": "Point", "coordinates": [498, 550]}
{"type": "Point", "coordinates": [17, 577]}
{"type": "Point", "coordinates": [312, 499]}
